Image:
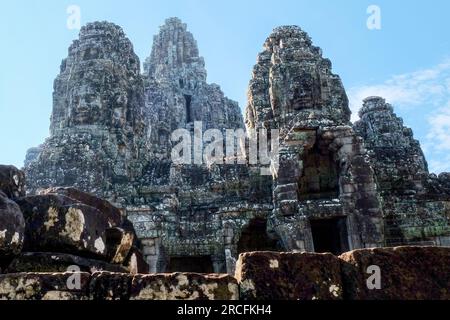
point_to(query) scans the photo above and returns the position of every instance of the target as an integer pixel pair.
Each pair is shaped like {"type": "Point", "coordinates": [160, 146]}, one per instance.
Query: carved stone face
{"type": "Point", "coordinates": [85, 106]}
{"type": "Point", "coordinates": [304, 97]}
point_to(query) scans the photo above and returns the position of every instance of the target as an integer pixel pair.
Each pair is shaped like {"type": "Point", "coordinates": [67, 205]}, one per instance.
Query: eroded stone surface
{"type": "Point", "coordinates": [406, 273]}
{"type": "Point", "coordinates": [119, 243]}
{"type": "Point", "coordinates": [323, 174]}
{"type": "Point", "coordinates": [110, 286]}
{"type": "Point", "coordinates": [135, 262]}
{"type": "Point", "coordinates": [12, 230]}
{"type": "Point", "coordinates": [289, 276]}
{"type": "Point", "coordinates": [112, 213]}
{"type": "Point", "coordinates": [415, 203]}
{"type": "Point", "coordinates": [12, 181]}
{"type": "Point", "coordinates": [179, 286]}
{"type": "Point", "coordinates": [58, 262]}
{"type": "Point", "coordinates": [176, 286]}
{"type": "Point", "coordinates": [56, 223]}
{"type": "Point", "coordinates": [98, 113]}
{"type": "Point", "coordinates": [59, 232]}
{"type": "Point", "coordinates": [43, 286]}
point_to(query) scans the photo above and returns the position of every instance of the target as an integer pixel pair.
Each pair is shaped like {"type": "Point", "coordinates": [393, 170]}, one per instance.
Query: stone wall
{"type": "Point", "coordinates": [117, 286]}
{"type": "Point", "coordinates": [405, 273]}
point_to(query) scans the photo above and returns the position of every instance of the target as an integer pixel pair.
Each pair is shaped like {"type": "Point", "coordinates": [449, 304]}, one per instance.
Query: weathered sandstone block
{"type": "Point", "coordinates": [119, 243]}
{"type": "Point", "coordinates": [12, 181]}
{"type": "Point", "coordinates": [105, 207]}
{"type": "Point", "coordinates": [135, 262]}
{"type": "Point", "coordinates": [110, 286]}
{"type": "Point", "coordinates": [43, 286]}
{"type": "Point", "coordinates": [184, 286]}
{"type": "Point", "coordinates": [288, 276]}
{"type": "Point", "coordinates": [58, 262]}
{"type": "Point", "coordinates": [56, 223]}
{"type": "Point", "coordinates": [406, 273]}
{"type": "Point", "coordinates": [12, 228]}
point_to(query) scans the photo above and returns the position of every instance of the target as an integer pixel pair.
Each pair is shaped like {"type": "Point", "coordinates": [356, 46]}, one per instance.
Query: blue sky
{"type": "Point", "coordinates": [407, 61]}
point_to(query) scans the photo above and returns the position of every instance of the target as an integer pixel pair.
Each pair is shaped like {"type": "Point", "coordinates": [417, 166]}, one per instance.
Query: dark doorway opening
{"type": "Point", "coordinates": [320, 178]}
{"type": "Point", "coordinates": [188, 100]}
{"type": "Point", "coordinates": [330, 235]}
{"type": "Point", "coordinates": [200, 264]}
{"type": "Point", "coordinates": [255, 238]}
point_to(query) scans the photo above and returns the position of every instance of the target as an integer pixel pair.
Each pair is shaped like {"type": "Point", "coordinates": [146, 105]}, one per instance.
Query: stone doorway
{"type": "Point", "coordinates": [330, 235]}
{"type": "Point", "coordinates": [320, 176]}
{"type": "Point", "coordinates": [254, 237]}
{"type": "Point", "coordinates": [197, 264]}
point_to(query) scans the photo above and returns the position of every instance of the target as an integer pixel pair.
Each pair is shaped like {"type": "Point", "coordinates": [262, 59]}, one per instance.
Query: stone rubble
{"type": "Point", "coordinates": [12, 230]}
{"type": "Point", "coordinates": [12, 182]}
{"type": "Point", "coordinates": [62, 228]}
{"type": "Point", "coordinates": [406, 273]}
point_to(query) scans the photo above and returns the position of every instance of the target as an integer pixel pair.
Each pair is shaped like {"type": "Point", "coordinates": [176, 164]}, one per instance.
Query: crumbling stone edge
{"type": "Point", "coordinates": [406, 273]}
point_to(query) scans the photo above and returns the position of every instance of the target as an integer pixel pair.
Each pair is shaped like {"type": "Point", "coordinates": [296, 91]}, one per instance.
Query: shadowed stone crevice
{"type": "Point", "coordinates": [202, 264]}
{"type": "Point", "coordinates": [330, 235]}
{"type": "Point", "coordinates": [254, 237]}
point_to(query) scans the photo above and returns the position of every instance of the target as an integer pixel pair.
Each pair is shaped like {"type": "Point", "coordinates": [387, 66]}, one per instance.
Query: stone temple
{"type": "Point", "coordinates": [339, 186]}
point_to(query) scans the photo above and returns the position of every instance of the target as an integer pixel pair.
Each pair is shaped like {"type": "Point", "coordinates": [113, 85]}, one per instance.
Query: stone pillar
{"type": "Point", "coordinates": [152, 253]}
{"type": "Point", "coordinates": [230, 262]}
{"type": "Point", "coordinates": [229, 241]}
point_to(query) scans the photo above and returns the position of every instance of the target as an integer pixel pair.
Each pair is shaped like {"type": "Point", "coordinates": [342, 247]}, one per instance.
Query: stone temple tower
{"type": "Point", "coordinates": [415, 203]}
{"type": "Point", "coordinates": [176, 88]}
{"type": "Point", "coordinates": [97, 123]}
{"type": "Point", "coordinates": [324, 192]}
{"type": "Point", "coordinates": [397, 157]}
{"type": "Point", "coordinates": [186, 200]}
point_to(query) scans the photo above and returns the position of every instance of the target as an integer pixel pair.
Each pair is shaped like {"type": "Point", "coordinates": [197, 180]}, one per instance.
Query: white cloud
{"type": "Point", "coordinates": [439, 130]}
{"type": "Point", "coordinates": [419, 88]}
{"type": "Point", "coordinates": [424, 94]}
{"type": "Point", "coordinates": [438, 166]}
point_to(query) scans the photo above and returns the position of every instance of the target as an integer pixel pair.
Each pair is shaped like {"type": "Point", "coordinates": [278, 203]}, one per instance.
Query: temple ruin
{"type": "Point", "coordinates": [339, 186]}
